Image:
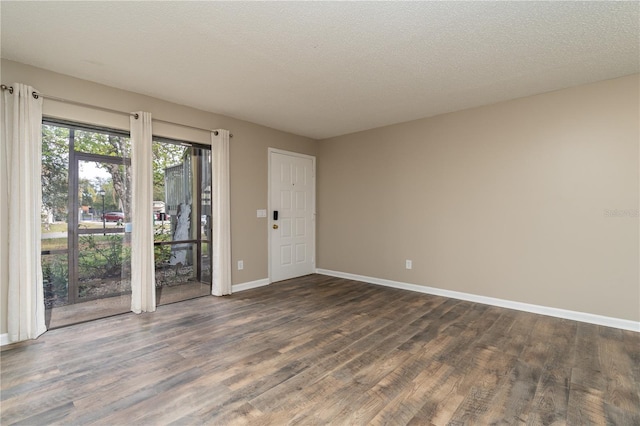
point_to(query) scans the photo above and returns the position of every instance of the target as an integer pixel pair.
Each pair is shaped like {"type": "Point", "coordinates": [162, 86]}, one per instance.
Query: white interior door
{"type": "Point", "coordinates": [292, 228]}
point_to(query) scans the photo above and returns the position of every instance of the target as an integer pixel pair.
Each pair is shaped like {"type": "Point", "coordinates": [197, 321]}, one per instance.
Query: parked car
{"type": "Point", "coordinates": [113, 217]}
{"type": "Point", "coordinates": [158, 211]}
{"type": "Point", "coordinates": [160, 216]}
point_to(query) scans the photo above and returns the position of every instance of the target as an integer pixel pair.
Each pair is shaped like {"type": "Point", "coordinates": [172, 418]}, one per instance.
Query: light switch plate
{"type": "Point", "coordinates": [262, 213]}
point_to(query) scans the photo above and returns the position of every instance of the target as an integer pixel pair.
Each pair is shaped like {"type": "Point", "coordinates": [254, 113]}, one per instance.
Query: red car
{"type": "Point", "coordinates": [113, 217]}
{"type": "Point", "coordinates": [160, 216]}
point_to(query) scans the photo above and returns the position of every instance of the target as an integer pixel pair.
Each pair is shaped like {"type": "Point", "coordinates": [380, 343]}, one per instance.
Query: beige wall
{"type": "Point", "coordinates": [507, 201]}
{"type": "Point", "coordinates": [248, 151]}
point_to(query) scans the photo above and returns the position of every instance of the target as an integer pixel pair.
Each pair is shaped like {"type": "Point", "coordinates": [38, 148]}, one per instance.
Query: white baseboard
{"type": "Point", "coordinates": [4, 339]}
{"type": "Point", "coordinates": [249, 285]}
{"type": "Point", "coordinates": [536, 309]}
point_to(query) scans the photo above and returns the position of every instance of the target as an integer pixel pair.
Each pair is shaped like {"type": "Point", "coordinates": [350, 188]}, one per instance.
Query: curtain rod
{"type": "Point", "coordinates": [36, 95]}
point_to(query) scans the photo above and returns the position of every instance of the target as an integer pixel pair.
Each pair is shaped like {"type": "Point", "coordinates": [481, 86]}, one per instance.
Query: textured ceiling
{"type": "Point", "coordinates": [322, 69]}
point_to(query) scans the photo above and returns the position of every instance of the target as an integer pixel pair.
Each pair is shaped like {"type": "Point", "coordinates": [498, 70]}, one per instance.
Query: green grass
{"type": "Point", "coordinates": [62, 226]}
{"type": "Point", "coordinates": [91, 225]}
{"type": "Point", "coordinates": [54, 227]}
{"type": "Point", "coordinates": [61, 243]}
{"type": "Point", "coordinates": [54, 244]}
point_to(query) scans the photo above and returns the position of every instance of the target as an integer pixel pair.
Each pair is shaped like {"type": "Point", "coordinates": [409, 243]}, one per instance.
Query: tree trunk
{"type": "Point", "coordinates": [121, 176]}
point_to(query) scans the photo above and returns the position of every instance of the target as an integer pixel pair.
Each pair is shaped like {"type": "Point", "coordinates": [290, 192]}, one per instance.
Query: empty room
{"type": "Point", "coordinates": [320, 213]}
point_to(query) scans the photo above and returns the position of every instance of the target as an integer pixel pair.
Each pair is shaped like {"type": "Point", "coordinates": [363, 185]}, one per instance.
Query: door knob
{"type": "Point", "coordinates": [275, 226]}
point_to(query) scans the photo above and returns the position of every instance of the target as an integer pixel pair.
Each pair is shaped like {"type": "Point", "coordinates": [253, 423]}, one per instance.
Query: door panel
{"type": "Point", "coordinates": [292, 246]}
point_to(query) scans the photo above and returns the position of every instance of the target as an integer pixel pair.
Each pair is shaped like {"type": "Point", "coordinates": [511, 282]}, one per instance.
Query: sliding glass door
{"type": "Point", "coordinates": [85, 208]}
{"type": "Point", "coordinates": [86, 221]}
{"type": "Point", "coordinates": [182, 190]}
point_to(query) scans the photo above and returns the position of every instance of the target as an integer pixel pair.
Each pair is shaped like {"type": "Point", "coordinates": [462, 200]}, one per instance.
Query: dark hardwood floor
{"type": "Point", "coordinates": [322, 350]}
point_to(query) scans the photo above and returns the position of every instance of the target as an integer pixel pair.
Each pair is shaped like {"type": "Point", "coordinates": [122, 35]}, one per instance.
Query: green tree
{"type": "Point", "coordinates": [111, 199]}
{"type": "Point", "coordinates": [55, 170]}
{"type": "Point", "coordinates": [117, 146]}
{"type": "Point", "coordinates": [87, 192]}
{"type": "Point", "coordinates": [164, 155]}
{"type": "Point", "coordinates": [55, 165]}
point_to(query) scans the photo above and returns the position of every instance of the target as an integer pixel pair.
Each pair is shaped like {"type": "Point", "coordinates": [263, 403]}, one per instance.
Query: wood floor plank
{"type": "Point", "coordinates": [585, 407]}
{"type": "Point", "coordinates": [513, 397]}
{"type": "Point", "coordinates": [490, 370]}
{"type": "Point", "coordinates": [552, 398]}
{"type": "Point", "coordinates": [324, 350]}
{"type": "Point", "coordinates": [402, 408]}
{"type": "Point", "coordinates": [440, 405]}
{"type": "Point", "coordinates": [617, 367]}
{"type": "Point", "coordinates": [335, 395]}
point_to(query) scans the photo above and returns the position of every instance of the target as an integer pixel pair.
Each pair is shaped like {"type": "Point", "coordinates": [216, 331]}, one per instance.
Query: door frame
{"type": "Point", "coordinates": [270, 210]}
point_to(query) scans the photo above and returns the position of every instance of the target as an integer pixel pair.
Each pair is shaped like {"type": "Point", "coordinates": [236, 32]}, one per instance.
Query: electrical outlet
{"type": "Point", "coordinates": [240, 265]}
{"type": "Point", "coordinates": [408, 264]}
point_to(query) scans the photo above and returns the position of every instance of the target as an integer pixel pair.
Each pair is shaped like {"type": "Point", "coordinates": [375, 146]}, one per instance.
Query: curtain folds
{"type": "Point", "coordinates": [143, 280]}
{"type": "Point", "coordinates": [220, 214]}
{"type": "Point", "coordinates": [20, 214]}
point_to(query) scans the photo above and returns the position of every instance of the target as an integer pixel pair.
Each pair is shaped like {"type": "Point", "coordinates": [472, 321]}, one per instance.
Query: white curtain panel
{"type": "Point", "coordinates": [220, 214]}
{"type": "Point", "coordinates": [143, 278]}
{"type": "Point", "coordinates": [20, 168]}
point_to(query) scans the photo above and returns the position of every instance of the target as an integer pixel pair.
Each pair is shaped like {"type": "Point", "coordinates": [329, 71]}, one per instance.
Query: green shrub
{"type": "Point", "coordinates": [55, 276]}
{"type": "Point", "coordinates": [103, 256]}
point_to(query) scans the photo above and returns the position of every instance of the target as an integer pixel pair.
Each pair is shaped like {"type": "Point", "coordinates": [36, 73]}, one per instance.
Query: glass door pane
{"type": "Point", "coordinates": [205, 215]}
{"type": "Point", "coordinates": [103, 255]}
{"type": "Point", "coordinates": [99, 272]}
{"type": "Point", "coordinates": [85, 211]}
{"type": "Point", "coordinates": [54, 227]}
{"type": "Point", "coordinates": [179, 222]}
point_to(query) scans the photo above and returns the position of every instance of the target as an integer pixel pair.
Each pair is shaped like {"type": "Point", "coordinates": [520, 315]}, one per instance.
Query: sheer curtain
{"type": "Point", "coordinates": [143, 278]}
{"type": "Point", "coordinates": [21, 194]}
{"type": "Point", "coordinates": [220, 214]}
